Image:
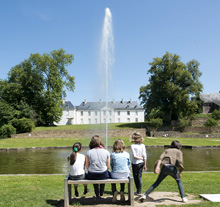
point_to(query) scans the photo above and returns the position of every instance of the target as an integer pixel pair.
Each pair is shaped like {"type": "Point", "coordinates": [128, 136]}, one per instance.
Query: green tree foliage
{"type": "Point", "coordinates": [171, 84]}
{"type": "Point", "coordinates": [6, 112]}
{"type": "Point", "coordinates": [7, 130]}
{"type": "Point", "coordinates": [40, 83]}
{"type": "Point", "coordinates": [210, 123]}
{"type": "Point", "coordinates": [153, 125]}
{"type": "Point", "coordinates": [216, 114]}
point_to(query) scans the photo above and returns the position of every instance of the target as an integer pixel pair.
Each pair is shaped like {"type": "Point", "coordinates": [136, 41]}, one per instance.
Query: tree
{"type": "Point", "coordinates": [153, 125]}
{"type": "Point", "coordinates": [171, 84]}
{"type": "Point", "coordinates": [210, 123]}
{"type": "Point", "coordinates": [41, 82]}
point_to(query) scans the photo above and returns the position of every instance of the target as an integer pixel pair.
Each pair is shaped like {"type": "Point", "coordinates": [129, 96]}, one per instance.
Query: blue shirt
{"type": "Point", "coordinates": [120, 162]}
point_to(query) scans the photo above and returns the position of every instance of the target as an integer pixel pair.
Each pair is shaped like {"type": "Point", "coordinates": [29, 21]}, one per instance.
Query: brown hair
{"type": "Point", "coordinates": [175, 144]}
{"type": "Point", "coordinates": [137, 138]}
{"type": "Point", "coordinates": [76, 148]}
{"type": "Point", "coordinates": [96, 142]}
{"type": "Point", "coordinates": [118, 145]}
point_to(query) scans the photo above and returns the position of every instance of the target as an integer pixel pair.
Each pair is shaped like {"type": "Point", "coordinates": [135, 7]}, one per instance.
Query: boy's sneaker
{"type": "Point", "coordinates": [122, 196]}
{"type": "Point", "coordinates": [185, 199]}
{"type": "Point", "coordinates": [142, 198]}
{"type": "Point", "coordinates": [114, 199]}
{"type": "Point", "coordinates": [136, 193]}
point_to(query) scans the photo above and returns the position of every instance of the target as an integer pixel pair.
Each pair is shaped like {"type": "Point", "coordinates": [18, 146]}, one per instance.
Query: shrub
{"type": "Point", "coordinates": [25, 125]}
{"type": "Point", "coordinates": [216, 115]}
{"type": "Point", "coordinates": [7, 130]}
{"type": "Point", "coordinates": [211, 123]}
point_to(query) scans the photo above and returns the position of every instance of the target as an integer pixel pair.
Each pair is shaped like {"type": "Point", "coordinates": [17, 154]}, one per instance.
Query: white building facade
{"type": "Point", "coordinates": [98, 112]}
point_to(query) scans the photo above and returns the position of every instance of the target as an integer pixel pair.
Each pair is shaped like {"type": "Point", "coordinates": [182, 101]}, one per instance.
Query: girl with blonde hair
{"type": "Point", "coordinates": [139, 158]}
{"type": "Point", "coordinates": [120, 163]}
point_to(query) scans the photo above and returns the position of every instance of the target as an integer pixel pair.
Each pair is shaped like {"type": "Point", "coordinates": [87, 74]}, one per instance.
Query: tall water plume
{"type": "Point", "coordinates": [107, 60]}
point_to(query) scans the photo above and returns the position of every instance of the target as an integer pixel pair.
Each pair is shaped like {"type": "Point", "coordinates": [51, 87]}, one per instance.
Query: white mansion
{"type": "Point", "coordinates": [97, 113]}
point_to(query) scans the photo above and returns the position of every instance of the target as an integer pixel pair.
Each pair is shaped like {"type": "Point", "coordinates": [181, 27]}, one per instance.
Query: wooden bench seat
{"type": "Point", "coordinates": [68, 187]}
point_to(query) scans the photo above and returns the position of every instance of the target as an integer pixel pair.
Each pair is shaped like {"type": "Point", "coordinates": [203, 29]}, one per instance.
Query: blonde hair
{"type": "Point", "coordinates": [118, 145]}
{"type": "Point", "coordinates": [137, 138]}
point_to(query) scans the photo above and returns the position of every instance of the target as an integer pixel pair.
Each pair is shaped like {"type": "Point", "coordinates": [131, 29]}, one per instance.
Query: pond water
{"type": "Point", "coordinates": [54, 161]}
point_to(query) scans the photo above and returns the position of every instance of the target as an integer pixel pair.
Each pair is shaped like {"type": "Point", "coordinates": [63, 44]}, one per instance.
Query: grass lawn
{"type": "Point", "coordinates": [52, 142]}
{"type": "Point", "coordinates": [94, 126]}
{"type": "Point", "coordinates": [38, 190]}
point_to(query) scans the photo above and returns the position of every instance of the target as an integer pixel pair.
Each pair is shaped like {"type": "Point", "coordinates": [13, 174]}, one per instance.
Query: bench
{"type": "Point", "coordinates": [68, 186]}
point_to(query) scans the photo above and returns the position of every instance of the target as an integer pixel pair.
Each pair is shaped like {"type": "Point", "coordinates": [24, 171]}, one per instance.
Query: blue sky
{"type": "Point", "coordinates": [143, 29]}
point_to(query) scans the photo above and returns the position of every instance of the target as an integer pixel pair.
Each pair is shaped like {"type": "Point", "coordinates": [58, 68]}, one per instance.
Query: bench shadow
{"type": "Point", "coordinates": [57, 203]}
{"type": "Point", "coordinates": [84, 201]}
{"type": "Point", "coordinates": [96, 201]}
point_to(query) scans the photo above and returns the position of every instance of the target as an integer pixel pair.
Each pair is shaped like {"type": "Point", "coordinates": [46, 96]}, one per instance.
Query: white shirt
{"type": "Point", "coordinates": [78, 168]}
{"type": "Point", "coordinates": [138, 150]}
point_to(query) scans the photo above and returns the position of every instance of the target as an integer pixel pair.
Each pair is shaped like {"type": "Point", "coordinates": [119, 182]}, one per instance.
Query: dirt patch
{"type": "Point", "coordinates": [155, 199]}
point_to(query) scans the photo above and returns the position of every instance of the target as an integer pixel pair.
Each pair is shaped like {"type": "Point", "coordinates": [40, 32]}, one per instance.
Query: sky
{"type": "Point", "coordinates": [142, 30]}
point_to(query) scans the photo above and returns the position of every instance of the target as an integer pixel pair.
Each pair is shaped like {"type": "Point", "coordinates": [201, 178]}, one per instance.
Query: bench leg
{"type": "Point", "coordinates": [66, 193]}
{"type": "Point", "coordinates": [131, 191]}
{"type": "Point", "coordinates": [70, 191]}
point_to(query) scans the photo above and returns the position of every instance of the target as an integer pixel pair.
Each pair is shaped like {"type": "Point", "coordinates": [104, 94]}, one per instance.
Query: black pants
{"type": "Point", "coordinates": [137, 174]}
{"type": "Point", "coordinates": [99, 189]}
{"type": "Point", "coordinates": [122, 185]}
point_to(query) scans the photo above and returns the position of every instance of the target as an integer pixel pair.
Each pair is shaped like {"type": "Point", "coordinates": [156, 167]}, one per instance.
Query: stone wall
{"type": "Point", "coordinates": [79, 133]}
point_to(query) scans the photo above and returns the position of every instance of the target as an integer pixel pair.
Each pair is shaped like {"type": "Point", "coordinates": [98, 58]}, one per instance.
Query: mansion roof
{"type": "Point", "coordinates": [211, 98]}
{"type": "Point", "coordinates": [116, 105]}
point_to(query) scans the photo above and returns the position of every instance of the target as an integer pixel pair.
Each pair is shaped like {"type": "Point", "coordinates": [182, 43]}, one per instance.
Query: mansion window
{"type": "Point", "coordinates": [128, 113]}
{"type": "Point", "coordinates": [81, 113]}
{"type": "Point", "coordinates": [118, 113]}
{"type": "Point", "coordinates": [128, 120]}
{"type": "Point", "coordinates": [89, 113]}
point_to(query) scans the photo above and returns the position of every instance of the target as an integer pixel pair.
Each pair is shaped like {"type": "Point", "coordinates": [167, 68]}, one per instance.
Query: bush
{"type": "Point", "coordinates": [183, 123]}
{"type": "Point", "coordinates": [25, 125]}
{"type": "Point", "coordinates": [7, 130]}
{"type": "Point", "coordinates": [211, 122]}
{"type": "Point", "coordinates": [216, 115]}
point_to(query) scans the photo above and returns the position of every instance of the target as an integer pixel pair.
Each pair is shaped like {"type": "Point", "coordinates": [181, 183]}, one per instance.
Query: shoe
{"type": "Point", "coordinates": [86, 191]}
{"type": "Point", "coordinates": [142, 198]}
{"type": "Point", "coordinates": [76, 193]}
{"type": "Point", "coordinates": [136, 193]}
{"type": "Point", "coordinates": [114, 199]}
{"type": "Point", "coordinates": [101, 193]}
{"type": "Point", "coordinates": [122, 195]}
{"type": "Point", "coordinates": [185, 199]}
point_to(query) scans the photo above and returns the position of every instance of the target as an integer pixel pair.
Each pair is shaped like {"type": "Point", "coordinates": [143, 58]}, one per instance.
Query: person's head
{"type": "Point", "coordinates": [118, 146]}
{"type": "Point", "coordinates": [175, 144]}
{"type": "Point", "coordinates": [96, 142]}
{"type": "Point", "coordinates": [76, 148]}
{"type": "Point", "coordinates": [137, 138]}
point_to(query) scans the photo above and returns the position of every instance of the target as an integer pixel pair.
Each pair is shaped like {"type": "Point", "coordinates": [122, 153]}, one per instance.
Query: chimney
{"type": "Point", "coordinates": [85, 101]}
{"type": "Point", "coordinates": [122, 101]}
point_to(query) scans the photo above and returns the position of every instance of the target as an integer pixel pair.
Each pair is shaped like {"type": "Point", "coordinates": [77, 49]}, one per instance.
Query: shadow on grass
{"type": "Point", "coordinates": [140, 125]}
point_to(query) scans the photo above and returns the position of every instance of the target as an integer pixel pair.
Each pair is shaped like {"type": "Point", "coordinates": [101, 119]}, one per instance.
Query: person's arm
{"type": "Point", "coordinates": [87, 163]}
{"type": "Point", "coordinates": [144, 158]}
{"type": "Point", "coordinates": [157, 169]}
{"type": "Point", "coordinates": [108, 162]}
{"type": "Point", "coordinates": [180, 163]}
{"type": "Point", "coordinates": [145, 165]}
{"type": "Point", "coordinates": [135, 155]}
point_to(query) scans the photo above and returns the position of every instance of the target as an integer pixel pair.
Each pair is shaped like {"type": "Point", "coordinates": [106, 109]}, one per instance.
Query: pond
{"type": "Point", "coordinates": [54, 161]}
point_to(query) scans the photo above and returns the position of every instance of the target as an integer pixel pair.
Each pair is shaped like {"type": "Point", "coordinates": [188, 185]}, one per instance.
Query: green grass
{"type": "Point", "coordinates": [47, 191]}
{"type": "Point", "coordinates": [93, 126]}
{"type": "Point", "coordinates": [53, 142]}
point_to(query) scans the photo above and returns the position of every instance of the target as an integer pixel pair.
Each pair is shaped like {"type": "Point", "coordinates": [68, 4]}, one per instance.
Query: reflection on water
{"type": "Point", "coordinates": [54, 161]}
